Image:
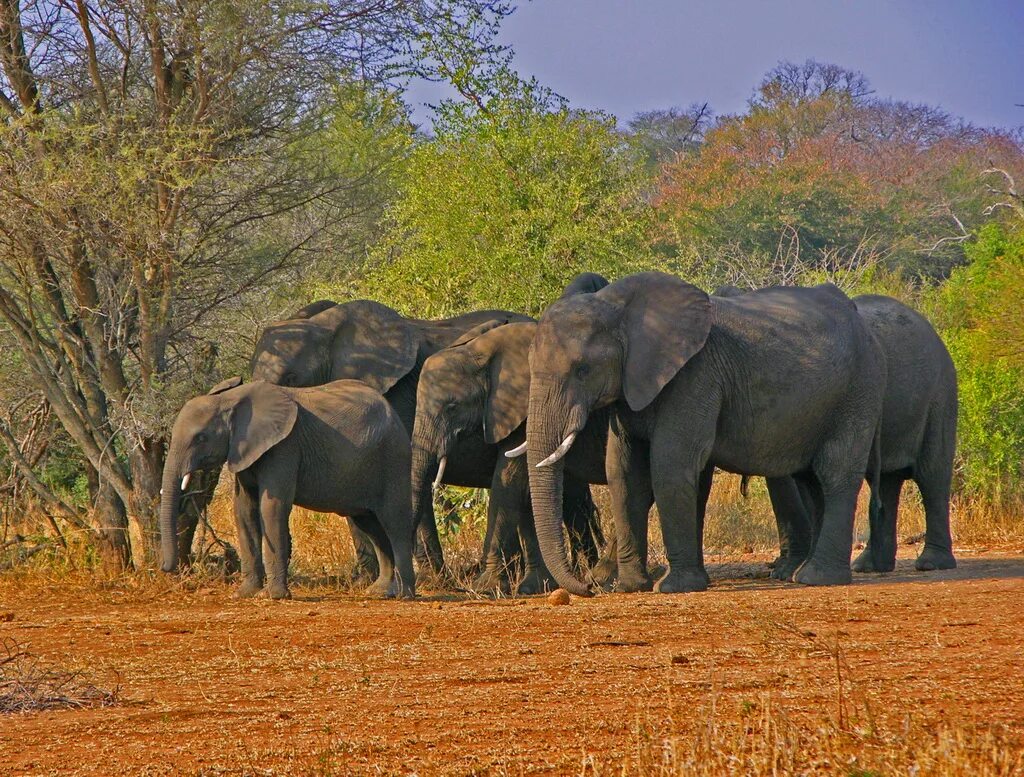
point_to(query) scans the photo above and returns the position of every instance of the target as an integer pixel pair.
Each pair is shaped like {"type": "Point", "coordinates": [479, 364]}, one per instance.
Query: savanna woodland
{"type": "Point", "coordinates": [174, 176]}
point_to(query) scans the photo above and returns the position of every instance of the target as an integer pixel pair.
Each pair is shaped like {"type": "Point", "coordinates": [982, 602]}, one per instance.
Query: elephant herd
{"type": "Point", "coordinates": [646, 385]}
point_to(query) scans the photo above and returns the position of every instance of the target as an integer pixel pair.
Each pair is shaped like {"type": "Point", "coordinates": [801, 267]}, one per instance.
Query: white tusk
{"type": "Point", "coordinates": [161, 492]}
{"type": "Point", "coordinates": [518, 451]}
{"type": "Point", "coordinates": [560, 451]}
{"type": "Point", "coordinates": [440, 471]}
{"type": "Point", "coordinates": [184, 480]}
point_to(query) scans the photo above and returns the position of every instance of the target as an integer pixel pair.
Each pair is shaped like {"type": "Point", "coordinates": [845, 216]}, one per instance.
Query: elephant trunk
{"type": "Point", "coordinates": [544, 434]}
{"type": "Point", "coordinates": [424, 469]}
{"type": "Point", "coordinates": [170, 504]}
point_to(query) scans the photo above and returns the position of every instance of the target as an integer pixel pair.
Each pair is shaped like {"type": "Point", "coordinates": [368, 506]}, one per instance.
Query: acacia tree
{"type": "Point", "coordinates": [145, 176]}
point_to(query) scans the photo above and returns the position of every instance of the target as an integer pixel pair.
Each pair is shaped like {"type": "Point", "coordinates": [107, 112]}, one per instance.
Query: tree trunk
{"type": "Point", "coordinates": [110, 525]}
{"type": "Point", "coordinates": [146, 468]}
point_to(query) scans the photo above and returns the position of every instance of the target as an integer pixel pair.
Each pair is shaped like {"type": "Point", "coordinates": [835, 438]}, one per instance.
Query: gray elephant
{"type": "Point", "coordinates": [368, 341]}
{"type": "Point", "coordinates": [336, 448]}
{"type": "Point", "coordinates": [479, 386]}
{"type": "Point", "coordinates": [778, 382]}
{"type": "Point", "coordinates": [918, 442]}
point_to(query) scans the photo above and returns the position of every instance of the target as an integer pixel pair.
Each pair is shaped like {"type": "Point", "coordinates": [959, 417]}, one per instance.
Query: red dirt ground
{"type": "Point", "coordinates": [328, 683]}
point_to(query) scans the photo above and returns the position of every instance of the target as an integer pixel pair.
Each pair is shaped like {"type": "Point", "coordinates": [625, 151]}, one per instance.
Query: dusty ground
{"type": "Point", "coordinates": [328, 683]}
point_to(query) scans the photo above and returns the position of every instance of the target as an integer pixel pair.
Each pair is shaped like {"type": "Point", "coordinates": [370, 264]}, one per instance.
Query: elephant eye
{"type": "Point", "coordinates": [288, 379]}
{"type": "Point", "coordinates": [582, 371]}
{"type": "Point", "coordinates": [201, 437]}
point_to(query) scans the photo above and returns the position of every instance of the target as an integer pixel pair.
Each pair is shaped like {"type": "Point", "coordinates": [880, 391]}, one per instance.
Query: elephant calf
{"type": "Point", "coordinates": [334, 448]}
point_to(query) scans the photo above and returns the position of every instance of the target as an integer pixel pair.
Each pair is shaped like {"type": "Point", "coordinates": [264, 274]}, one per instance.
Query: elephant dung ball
{"type": "Point", "coordinates": [558, 597]}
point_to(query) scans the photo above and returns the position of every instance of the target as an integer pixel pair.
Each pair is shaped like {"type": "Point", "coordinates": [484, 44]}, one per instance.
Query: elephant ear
{"type": "Point", "coordinates": [471, 334]}
{"type": "Point", "coordinates": [508, 392]}
{"type": "Point", "coordinates": [584, 283]}
{"type": "Point", "coordinates": [313, 308]}
{"type": "Point", "coordinates": [371, 343]}
{"type": "Point", "coordinates": [665, 321]}
{"type": "Point", "coordinates": [261, 417]}
{"type": "Point", "coordinates": [226, 385]}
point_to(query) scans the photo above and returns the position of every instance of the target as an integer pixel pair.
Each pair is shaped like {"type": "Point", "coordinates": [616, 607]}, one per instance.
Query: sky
{"type": "Point", "coordinates": [625, 56]}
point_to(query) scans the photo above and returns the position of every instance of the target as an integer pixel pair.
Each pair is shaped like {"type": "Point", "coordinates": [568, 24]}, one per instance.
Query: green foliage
{"type": "Point", "coordinates": [979, 313]}
{"type": "Point", "coordinates": [513, 197]}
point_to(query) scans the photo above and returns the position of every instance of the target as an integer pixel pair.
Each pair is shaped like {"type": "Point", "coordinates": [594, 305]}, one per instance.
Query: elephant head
{"type": "Point", "coordinates": [361, 339]}
{"type": "Point", "coordinates": [624, 342]}
{"type": "Point", "coordinates": [235, 423]}
{"type": "Point", "coordinates": [480, 382]}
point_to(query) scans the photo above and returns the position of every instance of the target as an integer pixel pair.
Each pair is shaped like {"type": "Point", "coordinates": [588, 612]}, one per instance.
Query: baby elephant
{"type": "Point", "coordinates": [335, 448]}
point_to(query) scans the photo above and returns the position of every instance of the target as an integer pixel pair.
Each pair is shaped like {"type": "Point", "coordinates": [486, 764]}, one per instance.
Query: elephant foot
{"type": "Point", "coordinates": [250, 587]}
{"type": "Point", "coordinates": [935, 558]}
{"type": "Point", "coordinates": [631, 581]}
{"type": "Point", "coordinates": [784, 566]}
{"type": "Point", "coordinates": [383, 588]}
{"type": "Point", "coordinates": [603, 572]}
{"type": "Point", "coordinates": [278, 591]}
{"type": "Point", "coordinates": [686, 580]}
{"type": "Point", "coordinates": [865, 562]}
{"type": "Point", "coordinates": [535, 582]}
{"type": "Point", "coordinates": [813, 572]}
{"type": "Point", "coordinates": [492, 581]}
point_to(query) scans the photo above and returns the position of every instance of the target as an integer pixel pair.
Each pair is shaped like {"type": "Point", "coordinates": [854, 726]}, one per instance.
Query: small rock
{"type": "Point", "coordinates": [6, 617]}
{"type": "Point", "coordinates": [680, 659]}
{"type": "Point", "coordinates": [558, 597]}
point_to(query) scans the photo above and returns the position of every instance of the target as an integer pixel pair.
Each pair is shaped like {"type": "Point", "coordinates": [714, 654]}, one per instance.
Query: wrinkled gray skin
{"type": "Point", "coordinates": [777, 382]}
{"type": "Point", "coordinates": [480, 386]}
{"type": "Point", "coordinates": [371, 342]}
{"type": "Point", "coordinates": [918, 442]}
{"type": "Point", "coordinates": [336, 448]}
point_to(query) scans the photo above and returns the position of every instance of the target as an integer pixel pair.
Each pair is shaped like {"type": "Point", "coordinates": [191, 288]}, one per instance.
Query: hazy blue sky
{"type": "Point", "coordinates": [630, 55]}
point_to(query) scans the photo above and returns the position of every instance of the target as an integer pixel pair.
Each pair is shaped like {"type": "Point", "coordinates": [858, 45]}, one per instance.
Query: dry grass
{"type": "Point", "coordinates": [323, 557]}
{"type": "Point", "coordinates": [28, 685]}
{"type": "Point", "coordinates": [764, 738]}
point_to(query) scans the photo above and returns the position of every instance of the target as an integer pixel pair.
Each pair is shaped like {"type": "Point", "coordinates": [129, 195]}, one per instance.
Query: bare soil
{"type": "Point", "coordinates": [330, 683]}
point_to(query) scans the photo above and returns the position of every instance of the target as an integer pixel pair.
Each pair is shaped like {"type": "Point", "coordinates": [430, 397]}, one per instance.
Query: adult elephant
{"type": "Point", "coordinates": [336, 448]}
{"type": "Point", "coordinates": [479, 386]}
{"type": "Point", "coordinates": [371, 342]}
{"type": "Point", "coordinates": [776, 382]}
{"type": "Point", "coordinates": [918, 442]}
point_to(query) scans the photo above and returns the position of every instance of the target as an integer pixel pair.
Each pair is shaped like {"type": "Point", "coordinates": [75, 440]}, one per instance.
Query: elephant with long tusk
{"type": "Point", "coordinates": [779, 382]}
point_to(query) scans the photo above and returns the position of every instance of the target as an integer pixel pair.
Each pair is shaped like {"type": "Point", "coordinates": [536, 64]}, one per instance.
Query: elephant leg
{"type": "Point", "coordinates": [879, 554]}
{"type": "Point", "coordinates": [536, 577]}
{"type": "Point", "coordinates": [629, 484]}
{"type": "Point", "coordinates": [794, 523]}
{"type": "Point", "coordinates": [933, 475]}
{"type": "Point", "coordinates": [580, 517]}
{"type": "Point", "coordinates": [250, 539]}
{"type": "Point", "coordinates": [604, 571]}
{"type": "Point", "coordinates": [366, 556]}
{"type": "Point", "coordinates": [384, 586]}
{"type": "Point", "coordinates": [680, 493]}
{"type": "Point", "coordinates": [829, 562]}
{"type": "Point", "coordinates": [509, 501]}
{"type": "Point", "coordinates": [428, 542]}
{"type": "Point", "coordinates": [395, 519]}
{"type": "Point", "coordinates": [275, 509]}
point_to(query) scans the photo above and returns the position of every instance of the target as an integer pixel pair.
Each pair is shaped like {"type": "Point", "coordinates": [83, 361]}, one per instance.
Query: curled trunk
{"type": "Point", "coordinates": [543, 436]}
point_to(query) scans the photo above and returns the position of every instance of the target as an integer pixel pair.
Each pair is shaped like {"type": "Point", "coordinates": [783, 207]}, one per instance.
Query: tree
{"type": "Point", "coordinates": [820, 166]}
{"type": "Point", "coordinates": [514, 195]}
{"type": "Point", "coordinates": [664, 134]}
{"type": "Point", "coordinates": [148, 177]}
